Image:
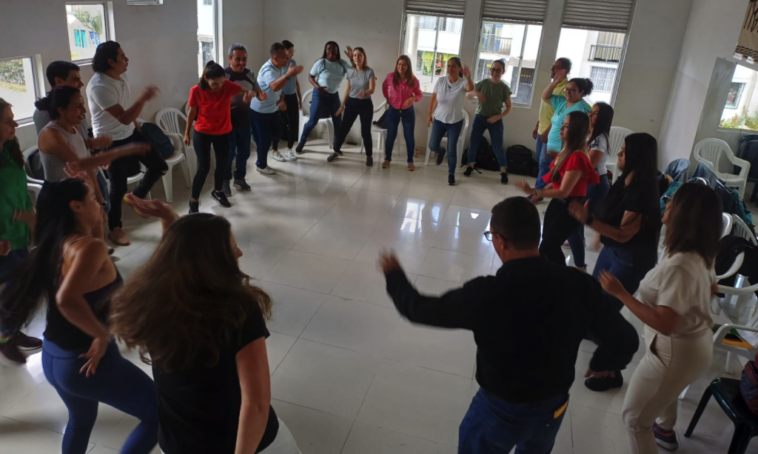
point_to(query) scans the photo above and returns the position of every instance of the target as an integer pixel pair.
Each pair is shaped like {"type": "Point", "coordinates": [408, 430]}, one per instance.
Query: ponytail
{"type": "Point", "coordinates": [58, 98]}
{"type": "Point", "coordinates": [212, 70]}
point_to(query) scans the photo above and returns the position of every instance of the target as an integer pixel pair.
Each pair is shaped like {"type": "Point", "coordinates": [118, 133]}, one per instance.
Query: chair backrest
{"type": "Point", "coordinates": [616, 140]}
{"type": "Point", "coordinates": [307, 97]}
{"type": "Point", "coordinates": [169, 119]}
{"type": "Point", "coordinates": [708, 151]}
{"type": "Point", "coordinates": [726, 219]}
{"type": "Point", "coordinates": [741, 229]}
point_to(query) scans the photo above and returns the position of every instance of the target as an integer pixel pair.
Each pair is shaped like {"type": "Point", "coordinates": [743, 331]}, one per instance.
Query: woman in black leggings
{"type": "Point", "coordinates": [571, 172]}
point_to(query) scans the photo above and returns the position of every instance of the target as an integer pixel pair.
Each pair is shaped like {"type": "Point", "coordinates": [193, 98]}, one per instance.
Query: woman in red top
{"type": "Point", "coordinates": [571, 172]}
{"type": "Point", "coordinates": [210, 103]}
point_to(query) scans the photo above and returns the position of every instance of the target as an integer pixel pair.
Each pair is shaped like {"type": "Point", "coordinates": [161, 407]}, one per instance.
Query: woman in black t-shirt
{"type": "Point", "coordinates": [195, 313]}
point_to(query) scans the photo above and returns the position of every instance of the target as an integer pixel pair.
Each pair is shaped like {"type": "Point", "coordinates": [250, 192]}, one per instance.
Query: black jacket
{"type": "Point", "coordinates": [528, 322]}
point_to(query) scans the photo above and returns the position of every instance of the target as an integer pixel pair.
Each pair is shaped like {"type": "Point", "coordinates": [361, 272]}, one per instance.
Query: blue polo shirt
{"type": "Point", "coordinates": [268, 74]}
{"type": "Point", "coordinates": [330, 74]}
{"type": "Point", "coordinates": [554, 142]}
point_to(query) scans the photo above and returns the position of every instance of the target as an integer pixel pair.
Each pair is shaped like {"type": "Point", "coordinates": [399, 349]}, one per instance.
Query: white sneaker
{"type": "Point", "coordinates": [290, 156]}
{"type": "Point", "coordinates": [267, 171]}
{"type": "Point", "coordinates": [278, 156]}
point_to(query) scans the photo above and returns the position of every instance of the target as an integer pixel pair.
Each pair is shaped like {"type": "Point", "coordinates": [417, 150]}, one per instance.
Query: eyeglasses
{"type": "Point", "coordinates": [572, 90]}
{"type": "Point", "coordinates": [488, 235]}
{"type": "Point", "coordinates": [496, 69]}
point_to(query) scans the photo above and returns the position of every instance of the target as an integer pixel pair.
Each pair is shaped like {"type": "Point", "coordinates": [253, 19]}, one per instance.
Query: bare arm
{"type": "Point", "coordinates": [371, 87]}
{"type": "Point", "coordinates": [595, 157]}
{"type": "Point", "coordinates": [52, 142]}
{"type": "Point", "coordinates": [314, 82]}
{"type": "Point", "coordinates": [661, 318]}
{"type": "Point", "coordinates": [508, 107]}
{"type": "Point", "coordinates": [299, 96]}
{"type": "Point", "coordinates": [432, 106]}
{"type": "Point", "coordinates": [191, 117]}
{"type": "Point", "coordinates": [548, 92]}
{"type": "Point", "coordinates": [630, 223]}
{"type": "Point", "coordinates": [279, 83]}
{"type": "Point", "coordinates": [255, 388]}
{"type": "Point", "coordinates": [570, 179]}
{"type": "Point", "coordinates": [344, 99]}
{"type": "Point", "coordinates": [131, 114]}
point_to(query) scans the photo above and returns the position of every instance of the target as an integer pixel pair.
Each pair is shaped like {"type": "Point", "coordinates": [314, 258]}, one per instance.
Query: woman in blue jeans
{"type": "Point", "coordinates": [446, 113]}
{"type": "Point", "coordinates": [601, 118]}
{"type": "Point", "coordinates": [72, 270]}
{"type": "Point", "coordinates": [629, 223]}
{"type": "Point", "coordinates": [401, 90]}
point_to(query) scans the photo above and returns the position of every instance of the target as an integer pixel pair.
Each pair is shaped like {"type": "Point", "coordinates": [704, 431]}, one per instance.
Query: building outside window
{"type": "Point", "coordinates": [430, 41]}
{"type": "Point", "coordinates": [603, 78]}
{"type": "Point", "coordinates": [87, 28]}
{"type": "Point", "coordinates": [207, 33]}
{"type": "Point", "coordinates": [18, 86]}
{"type": "Point", "coordinates": [741, 107]}
{"type": "Point", "coordinates": [735, 95]}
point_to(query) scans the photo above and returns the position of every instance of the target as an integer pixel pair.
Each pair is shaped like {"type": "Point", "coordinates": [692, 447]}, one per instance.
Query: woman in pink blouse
{"type": "Point", "coordinates": [402, 91]}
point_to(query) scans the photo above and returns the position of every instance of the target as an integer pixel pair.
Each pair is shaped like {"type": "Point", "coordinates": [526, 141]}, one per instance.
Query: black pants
{"type": "Point", "coordinates": [556, 228]}
{"type": "Point", "coordinates": [123, 168]}
{"type": "Point", "coordinates": [290, 122]}
{"type": "Point", "coordinates": [203, 144]}
{"type": "Point", "coordinates": [355, 107]}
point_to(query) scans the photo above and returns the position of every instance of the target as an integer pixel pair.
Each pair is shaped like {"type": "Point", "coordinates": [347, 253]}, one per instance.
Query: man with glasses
{"type": "Point", "coordinates": [528, 322]}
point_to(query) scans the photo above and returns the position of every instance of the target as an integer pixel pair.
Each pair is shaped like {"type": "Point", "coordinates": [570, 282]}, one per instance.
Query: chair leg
{"type": "Point", "coordinates": [186, 172]}
{"type": "Point", "coordinates": [700, 407]}
{"type": "Point", "coordinates": [684, 393]}
{"type": "Point", "coordinates": [168, 185]}
{"type": "Point", "coordinates": [740, 440]}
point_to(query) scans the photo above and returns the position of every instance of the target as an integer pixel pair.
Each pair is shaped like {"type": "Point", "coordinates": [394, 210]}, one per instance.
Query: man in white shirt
{"type": "Point", "coordinates": [114, 115]}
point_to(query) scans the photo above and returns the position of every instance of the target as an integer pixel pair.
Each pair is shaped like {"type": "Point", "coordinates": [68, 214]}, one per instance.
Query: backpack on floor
{"type": "Point", "coordinates": [485, 157]}
{"type": "Point", "coordinates": [749, 386]}
{"type": "Point", "coordinates": [520, 161]}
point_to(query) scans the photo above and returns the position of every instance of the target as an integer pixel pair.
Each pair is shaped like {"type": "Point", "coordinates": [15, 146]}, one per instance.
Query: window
{"type": "Point", "coordinates": [516, 43]}
{"type": "Point", "coordinates": [741, 107]}
{"type": "Point", "coordinates": [18, 86]}
{"type": "Point", "coordinates": [208, 2]}
{"type": "Point", "coordinates": [87, 28]}
{"type": "Point", "coordinates": [735, 93]}
{"type": "Point", "coordinates": [603, 78]}
{"type": "Point", "coordinates": [431, 40]}
{"type": "Point", "coordinates": [207, 33]}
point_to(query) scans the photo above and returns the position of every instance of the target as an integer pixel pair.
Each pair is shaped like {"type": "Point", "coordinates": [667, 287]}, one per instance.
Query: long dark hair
{"type": "Point", "coordinates": [39, 275]}
{"type": "Point", "coordinates": [59, 98]}
{"type": "Point", "coordinates": [104, 52]}
{"type": "Point", "coordinates": [323, 57]}
{"type": "Point", "coordinates": [212, 70]}
{"type": "Point", "coordinates": [579, 128]}
{"type": "Point", "coordinates": [603, 122]}
{"type": "Point", "coordinates": [694, 222]}
{"type": "Point", "coordinates": [15, 148]}
{"type": "Point", "coordinates": [193, 284]}
{"type": "Point", "coordinates": [409, 77]}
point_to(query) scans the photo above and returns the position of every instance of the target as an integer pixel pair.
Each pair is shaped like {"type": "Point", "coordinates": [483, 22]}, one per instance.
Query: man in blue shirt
{"type": "Point", "coordinates": [293, 101]}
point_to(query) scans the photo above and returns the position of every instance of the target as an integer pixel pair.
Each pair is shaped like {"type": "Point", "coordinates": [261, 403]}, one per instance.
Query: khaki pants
{"type": "Point", "coordinates": [670, 364]}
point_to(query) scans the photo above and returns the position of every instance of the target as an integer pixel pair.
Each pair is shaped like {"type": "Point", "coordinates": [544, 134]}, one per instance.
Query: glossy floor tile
{"type": "Point", "coordinates": [350, 375]}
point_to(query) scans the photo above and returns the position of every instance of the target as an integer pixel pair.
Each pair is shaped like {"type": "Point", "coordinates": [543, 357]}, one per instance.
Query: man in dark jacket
{"type": "Point", "coordinates": [528, 322]}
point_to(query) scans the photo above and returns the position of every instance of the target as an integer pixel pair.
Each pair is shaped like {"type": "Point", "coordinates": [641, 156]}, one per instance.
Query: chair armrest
{"type": "Point", "coordinates": [177, 140]}
{"type": "Point", "coordinates": [738, 291]}
{"type": "Point", "coordinates": [724, 329]}
{"type": "Point", "coordinates": [734, 268]}
{"type": "Point", "coordinates": [34, 180]}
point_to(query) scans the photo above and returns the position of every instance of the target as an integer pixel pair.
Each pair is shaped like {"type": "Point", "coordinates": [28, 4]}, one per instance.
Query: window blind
{"type": "Point", "coordinates": [514, 10]}
{"type": "Point", "coordinates": [612, 15]}
{"type": "Point", "coordinates": [436, 7]}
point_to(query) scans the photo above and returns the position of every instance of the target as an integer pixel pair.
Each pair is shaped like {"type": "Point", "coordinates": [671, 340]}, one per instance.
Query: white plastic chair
{"type": "Point", "coordinates": [305, 115]}
{"type": "Point", "coordinates": [169, 120]}
{"type": "Point", "coordinates": [134, 179]}
{"type": "Point", "coordinates": [461, 138]}
{"type": "Point", "coordinates": [615, 142]}
{"type": "Point", "coordinates": [179, 157]}
{"type": "Point", "coordinates": [381, 133]}
{"type": "Point", "coordinates": [709, 151]}
{"type": "Point", "coordinates": [32, 184]}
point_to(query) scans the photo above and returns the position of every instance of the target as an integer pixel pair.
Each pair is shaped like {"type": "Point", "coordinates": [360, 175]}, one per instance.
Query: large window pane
{"type": "Point", "coordinates": [17, 86]}
{"type": "Point", "coordinates": [206, 33]}
{"type": "Point", "coordinates": [741, 108]}
{"type": "Point", "coordinates": [86, 29]}
{"type": "Point", "coordinates": [430, 41]}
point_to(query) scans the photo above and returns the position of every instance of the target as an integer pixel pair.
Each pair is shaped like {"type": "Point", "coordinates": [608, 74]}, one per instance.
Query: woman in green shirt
{"type": "Point", "coordinates": [16, 219]}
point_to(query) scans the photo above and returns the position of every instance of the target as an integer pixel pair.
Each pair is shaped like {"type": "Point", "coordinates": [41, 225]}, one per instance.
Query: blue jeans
{"type": "Point", "coordinates": [595, 193]}
{"type": "Point", "coordinates": [478, 127]}
{"type": "Point", "coordinates": [494, 426]}
{"type": "Point", "coordinates": [435, 140]}
{"type": "Point", "coordinates": [239, 147]}
{"type": "Point", "coordinates": [7, 264]}
{"type": "Point", "coordinates": [266, 126]}
{"type": "Point", "coordinates": [118, 383]}
{"type": "Point", "coordinates": [544, 161]}
{"type": "Point", "coordinates": [629, 266]}
{"type": "Point", "coordinates": [323, 106]}
{"type": "Point", "coordinates": [394, 117]}
{"type": "Point", "coordinates": [103, 185]}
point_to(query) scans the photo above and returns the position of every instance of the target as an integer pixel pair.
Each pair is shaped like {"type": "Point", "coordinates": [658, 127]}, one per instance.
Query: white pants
{"type": "Point", "coordinates": [670, 364]}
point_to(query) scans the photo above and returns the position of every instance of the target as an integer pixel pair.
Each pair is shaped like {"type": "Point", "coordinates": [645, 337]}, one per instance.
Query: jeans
{"type": "Point", "coordinates": [123, 168]}
{"type": "Point", "coordinates": [323, 106]}
{"type": "Point", "coordinates": [494, 426]}
{"type": "Point", "coordinates": [478, 127]}
{"type": "Point", "coordinates": [290, 121]}
{"type": "Point", "coordinates": [7, 264]}
{"type": "Point", "coordinates": [544, 161]}
{"type": "Point", "coordinates": [118, 383]}
{"type": "Point", "coordinates": [435, 140]}
{"type": "Point", "coordinates": [628, 265]}
{"type": "Point", "coordinates": [556, 228]}
{"type": "Point", "coordinates": [354, 108]}
{"type": "Point", "coordinates": [595, 193]}
{"type": "Point", "coordinates": [103, 185]}
{"type": "Point", "coordinates": [394, 117]}
{"type": "Point", "coordinates": [239, 147]}
{"type": "Point", "coordinates": [266, 127]}
{"type": "Point", "coordinates": [203, 144]}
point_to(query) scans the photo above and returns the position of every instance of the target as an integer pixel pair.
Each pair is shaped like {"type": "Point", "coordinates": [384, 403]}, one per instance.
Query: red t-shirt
{"type": "Point", "coordinates": [576, 161]}
{"type": "Point", "coordinates": [214, 109]}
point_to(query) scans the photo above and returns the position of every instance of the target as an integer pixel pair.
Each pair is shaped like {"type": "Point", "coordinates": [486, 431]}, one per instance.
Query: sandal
{"type": "Point", "coordinates": [385, 164]}
{"type": "Point", "coordinates": [411, 166]}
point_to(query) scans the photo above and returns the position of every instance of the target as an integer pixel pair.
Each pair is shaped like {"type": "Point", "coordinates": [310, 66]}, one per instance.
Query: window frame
{"type": "Point", "coordinates": [217, 33]}
{"type": "Point", "coordinates": [108, 27]}
{"type": "Point", "coordinates": [737, 98]}
{"type": "Point", "coordinates": [603, 68]}
{"type": "Point", "coordinates": [38, 82]}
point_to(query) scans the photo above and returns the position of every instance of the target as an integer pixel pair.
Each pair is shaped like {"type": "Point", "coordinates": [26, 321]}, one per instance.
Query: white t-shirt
{"type": "Point", "coordinates": [104, 92]}
{"type": "Point", "coordinates": [449, 100]}
{"type": "Point", "coordinates": [681, 282]}
{"type": "Point", "coordinates": [601, 144]}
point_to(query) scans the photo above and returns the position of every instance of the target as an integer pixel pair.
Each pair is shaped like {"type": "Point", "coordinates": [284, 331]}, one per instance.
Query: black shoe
{"type": "Point", "coordinates": [503, 178]}
{"type": "Point", "coordinates": [666, 439]}
{"type": "Point", "coordinates": [338, 153]}
{"type": "Point", "coordinates": [332, 157]}
{"type": "Point", "coordinates": [451, 179]}
{"type": "Point", "coordinates": [441, 156]}
{"type": "Point", "coordinates": [299, 148]}
{"type": "Point", "coordinates": [468, 171]}
{"type": "Point", "coordinates": [111, 251]}
{"type": "Point", "coordinates": [221, 199]}
{"type": "Point", "coordinates": [226, 188]}
{"type": "Point", "coordinates": [242, 185]}
{"type": "Point", "coordinates": [369, 161]}
{"type": "Point", "coordinates": [194, 207]}
{"type": "Point", "coordinates": [605, 383]}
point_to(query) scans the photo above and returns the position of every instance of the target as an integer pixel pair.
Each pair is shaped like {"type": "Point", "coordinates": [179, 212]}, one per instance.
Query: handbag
{"type": "Point", "coordinates": [157, 139]}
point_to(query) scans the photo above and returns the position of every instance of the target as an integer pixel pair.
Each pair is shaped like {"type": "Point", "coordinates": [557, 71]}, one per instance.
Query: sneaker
{"type": "Point", "coordinates": [369, 161]}
{"type": "Point", "coordinates": [242, 185]}
{"type": "Point", "coordinates": [332, 157]}
{"type": "Point", "coordinates": [226, 188]}
{"type": "Point", "coordinates": [290, 156]}
{"type": "Point", "coordinates": [605, 383]}
{"type": "Point", "coordinates": [666, 439]}
{"type": "Point", "coordinates": [194, 207]}
{"type": "Point", "coordinates": [278, 156]}
{"type": "Point", "coordinates": [266, 170]}
{"type": "Point", "coordinates": [468, 171]}
{"type": "Point", "coordinates": [451, 179]}
{"type": "Point", "coordinates": [220, 197]}
{"type": "Point", "coordinates": [26, 344]}
{"type": "Point", "coordinates": [299, 148]}
{"type": "Point", "coordinates": [118, 237]}
{"type": "Point", "coordinates": [10, 355]}
{"type": "Point", "coordinates": [441, 156]}
{"type": "Point", "coordinates": [503, 178]}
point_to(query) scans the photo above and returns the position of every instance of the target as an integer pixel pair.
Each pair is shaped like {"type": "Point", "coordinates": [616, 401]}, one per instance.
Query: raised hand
{"type": "Point", "coordinates": [560, 76]}
{"type": "Point", "coordinates": [524, 186]}
{"type": "Point", "coordinates": [388, 261]}
{"type": "Point", "coordinates": [150, 92]}
{"type": "Point", "coordinates": [154, 208]}
{"type": "Point", "coordinates": [73, 170]}
{"type": "Point", "coordinates": [611, 285]}
{"type": "Point", "coordinates": [466, 72]}
{"type": "Point", "coordinates": [349, 52]}
{"type": "Point", "coordinates": [293, 70]}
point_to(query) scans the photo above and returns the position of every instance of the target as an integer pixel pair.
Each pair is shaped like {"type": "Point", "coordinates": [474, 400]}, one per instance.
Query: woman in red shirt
{"type": "Point", "coordinates": [571, 172]}
{"type": "Point", "coordinates": [210, 103]}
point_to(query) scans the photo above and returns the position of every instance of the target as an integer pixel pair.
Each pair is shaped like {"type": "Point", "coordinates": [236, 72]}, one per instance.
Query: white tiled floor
{"type": "Point", "coordinates": [349, 375]}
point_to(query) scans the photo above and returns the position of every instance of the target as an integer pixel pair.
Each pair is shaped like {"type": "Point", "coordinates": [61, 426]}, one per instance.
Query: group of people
{"type": "Point", "coordinates": [195, 316]}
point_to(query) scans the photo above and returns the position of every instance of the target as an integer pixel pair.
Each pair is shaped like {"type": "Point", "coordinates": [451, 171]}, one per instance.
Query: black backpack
{"type": "Point", "coordinates": [520, 161]}
{"type": "Point", "coordinates": [485, 157]}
